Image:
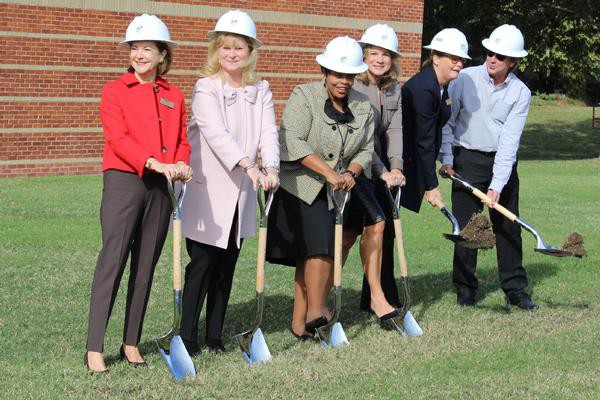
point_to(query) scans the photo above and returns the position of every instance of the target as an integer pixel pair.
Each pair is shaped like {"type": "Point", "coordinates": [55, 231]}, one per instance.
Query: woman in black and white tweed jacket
{"type": "Point", "coordinates": [326, 136]}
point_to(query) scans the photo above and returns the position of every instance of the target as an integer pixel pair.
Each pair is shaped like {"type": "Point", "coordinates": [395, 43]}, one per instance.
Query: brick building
{"type": "Point", "coordinates": [57, 54]}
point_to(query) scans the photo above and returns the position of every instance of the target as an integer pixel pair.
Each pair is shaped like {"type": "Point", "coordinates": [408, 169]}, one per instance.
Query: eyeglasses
{"type": "Point", "coordinates": [454, 59]}
{"type": "Point", "coordinates": [499, 57]}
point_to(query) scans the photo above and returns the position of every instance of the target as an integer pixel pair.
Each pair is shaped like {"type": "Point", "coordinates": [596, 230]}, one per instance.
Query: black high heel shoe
{"type": "Point", "coordinates": [390, 315]}
{"type": "Point", "coordinates": [136, 364]}
{"type": "Point", "coordinates": [311, 326]}
{"type": "Point", "coordinates": [87, 365]}
{"type": "Point", "coordinates": [303, 338]}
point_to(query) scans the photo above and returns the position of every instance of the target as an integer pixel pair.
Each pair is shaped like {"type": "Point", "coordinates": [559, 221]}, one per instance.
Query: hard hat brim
{"type": "Point", "coordinates": [212, 34]}
{"type": "Point", "coordinates": [460, 54]}
{"type": "Point", "coordinates": [488, 44]}
{"type": "Point", "coordinates": [364, 43]}
{"type": "Point", "coordinates": [169, 43]}
{"type": "Point", "coordinates": [324, 62]}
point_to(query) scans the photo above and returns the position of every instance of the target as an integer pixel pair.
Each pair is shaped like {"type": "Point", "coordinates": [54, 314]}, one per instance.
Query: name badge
{"type": "Point", "coordinates": [448, 101]}
{"type": "Point", "coordinates": [167, 103]}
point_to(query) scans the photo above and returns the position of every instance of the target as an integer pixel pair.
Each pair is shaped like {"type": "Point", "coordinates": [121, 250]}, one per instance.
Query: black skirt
{"type": "Point", "coordinates": [297, 230]}
{"type": "Point", "coordinates": [364, 208]}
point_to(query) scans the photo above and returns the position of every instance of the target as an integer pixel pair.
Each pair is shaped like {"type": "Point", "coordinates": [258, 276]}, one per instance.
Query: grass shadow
{"type": "Point", "coordinates": [559, 140]}
{"type": "Point", "coordinates": [425, 290]}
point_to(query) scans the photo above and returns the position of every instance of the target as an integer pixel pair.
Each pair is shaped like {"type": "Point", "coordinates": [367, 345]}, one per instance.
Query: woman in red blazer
{"type": "Point", "coordinates": [143, 119]}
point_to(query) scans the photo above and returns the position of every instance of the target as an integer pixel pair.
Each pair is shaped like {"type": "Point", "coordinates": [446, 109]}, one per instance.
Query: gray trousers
{"type": "Point", "coordinates": [134, 216]}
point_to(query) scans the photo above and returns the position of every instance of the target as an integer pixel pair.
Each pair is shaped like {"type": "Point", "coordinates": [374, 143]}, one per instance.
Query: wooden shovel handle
{"type": "Point", "coordinates": [260, 259]}
{"type": "Point", "coordinates": [439, 204]}
{"type": "Point", "coordinates": [496, 206]}
{"type": "Point", "coordinates": [400, 247]}
{"type": "Point", "coordinates": [176, 254]}
{"type": "Point", "coordinates": [337, 255]}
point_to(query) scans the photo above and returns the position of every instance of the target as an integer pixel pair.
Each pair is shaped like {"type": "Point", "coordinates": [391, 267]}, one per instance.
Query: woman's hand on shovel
{"type": "Point", "coordinates": [433, 196]}
{"type": "Point", "coordinates": [393, 178]}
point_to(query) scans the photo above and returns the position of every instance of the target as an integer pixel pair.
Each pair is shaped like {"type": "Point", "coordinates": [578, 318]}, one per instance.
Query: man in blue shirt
{"type": "Point", "coordinates": [480, 142]}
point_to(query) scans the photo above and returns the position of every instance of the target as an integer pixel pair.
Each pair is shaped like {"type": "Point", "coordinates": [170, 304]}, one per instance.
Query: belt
{"type": "Point", "coordinates": [458, 149]}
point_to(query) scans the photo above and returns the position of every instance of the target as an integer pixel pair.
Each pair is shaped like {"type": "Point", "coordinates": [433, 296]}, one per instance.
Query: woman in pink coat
{"type": "Point", "coordinates": [232, 120]}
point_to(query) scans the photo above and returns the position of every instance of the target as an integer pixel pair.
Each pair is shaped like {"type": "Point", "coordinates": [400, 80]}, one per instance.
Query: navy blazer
{"type": "Point", "coordinates": [424, 113]}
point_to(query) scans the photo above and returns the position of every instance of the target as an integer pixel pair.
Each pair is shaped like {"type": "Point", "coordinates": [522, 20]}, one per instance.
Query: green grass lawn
{"type": "Point", "coordinates": [51, 236]}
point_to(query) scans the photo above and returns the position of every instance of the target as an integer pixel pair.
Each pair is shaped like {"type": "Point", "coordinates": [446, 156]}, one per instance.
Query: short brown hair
{"type": "Point", "coordinates": [165, 65]}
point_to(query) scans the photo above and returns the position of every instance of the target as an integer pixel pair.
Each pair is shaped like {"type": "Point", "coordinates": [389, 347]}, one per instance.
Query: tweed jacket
{"type": "Point", "coordinates": [387, 114]}
{"type": "Point", "coordinates": [306, 129]}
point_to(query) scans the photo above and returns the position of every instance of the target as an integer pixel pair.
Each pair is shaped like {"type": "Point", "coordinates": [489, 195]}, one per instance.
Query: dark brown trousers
{"type": "Point", "coordinates": [134, 216]}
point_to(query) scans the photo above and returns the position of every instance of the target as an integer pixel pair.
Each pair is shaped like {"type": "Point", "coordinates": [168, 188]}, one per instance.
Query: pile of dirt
{"type": "Point", "coordinates": [478, 231]}
{"type": "Point", "coordinates": [574, 245]}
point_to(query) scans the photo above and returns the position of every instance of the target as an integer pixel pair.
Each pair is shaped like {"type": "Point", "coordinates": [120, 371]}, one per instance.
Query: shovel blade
{"type": "Point", "coordinates": [259, 351]}
{"type": "Point", "coordinates": [178, 360]}
{"type": "Point", "coordinates": [411, 327]}
{"type": "Point", "coordinates": [459, 240]}
{"type": "Point", "coordinates": [554, 251]}
{"type": "Point", "coordinates": [337, 337]}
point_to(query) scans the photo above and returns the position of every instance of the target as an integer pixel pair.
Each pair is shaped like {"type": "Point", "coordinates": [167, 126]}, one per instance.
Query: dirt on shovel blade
{"type": "Point", "coordinates": [574, 245]}
{"type": "Point", "coordinates": [478, 231]}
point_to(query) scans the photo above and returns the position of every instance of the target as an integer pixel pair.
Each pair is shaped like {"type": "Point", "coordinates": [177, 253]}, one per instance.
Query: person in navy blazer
{"type": "Point", "coordinates": [425, 110]}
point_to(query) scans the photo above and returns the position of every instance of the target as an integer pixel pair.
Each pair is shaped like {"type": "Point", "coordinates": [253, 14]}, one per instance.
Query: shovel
{"type": "Point", "coordinates": [455, 235]}
{"type": "Point", "coordinates": [252, 342]}
{"type": "Point", "coordinates": [405, 323]}
{"type": "Point", "coordinates": [332, 333]}
{"type": "Point", "coordinates": [170, 345]}
{"type": "Point", "coordinates": [540, 247]}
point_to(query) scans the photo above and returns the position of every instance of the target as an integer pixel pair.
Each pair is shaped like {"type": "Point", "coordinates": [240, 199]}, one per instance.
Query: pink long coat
{"type": "Point", "coordinates": [218, 185]}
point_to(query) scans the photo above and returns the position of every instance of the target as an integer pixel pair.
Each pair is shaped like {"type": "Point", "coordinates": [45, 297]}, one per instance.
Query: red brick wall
{"type": "Point", "coordinates": [56, 57]}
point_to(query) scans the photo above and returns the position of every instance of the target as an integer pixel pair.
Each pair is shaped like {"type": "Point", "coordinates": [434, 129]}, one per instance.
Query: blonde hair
{"type": "Point", "coordinates": [213, 67]}
{"type": "Point", "coordinates": [389, 77]}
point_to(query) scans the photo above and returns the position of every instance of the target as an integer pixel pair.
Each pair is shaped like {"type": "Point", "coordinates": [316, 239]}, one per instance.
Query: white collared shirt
{"type": "Point", "coordinates": [488, 118]}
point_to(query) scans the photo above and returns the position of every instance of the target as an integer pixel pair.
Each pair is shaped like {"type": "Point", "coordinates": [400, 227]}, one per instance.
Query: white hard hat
{"type": "Point", "coordinates": [238, 22]}
{"type": "Point", "coordinates": [381, 35]}
{"type": "Point", "coordinates": [506, 40]}
{"type": "Point", "coordinates": [450, 41]}
{"type": "Point", "coordinates": [344, 55]}
{"type": "Point", "coordinates": [148, 27]}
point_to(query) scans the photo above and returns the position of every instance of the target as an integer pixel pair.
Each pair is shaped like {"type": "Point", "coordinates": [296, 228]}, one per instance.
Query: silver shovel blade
{"type": "Point", "coordinates": [259, 351]}
{"type": "Point", "coordinates": [555, 251]}
{"type": "Point", "coordinates": [459, 240]}
{"type": "Point", "coordinates": [178, 361]}
{"type": "Point", "coordinates": [336, 337]}
{"type": "Point", "coordinates": [411, 327]}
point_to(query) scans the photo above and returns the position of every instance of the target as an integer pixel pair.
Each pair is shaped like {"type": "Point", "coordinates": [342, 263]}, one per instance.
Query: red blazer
{"type": "Point", "coordinates": [139, 123]}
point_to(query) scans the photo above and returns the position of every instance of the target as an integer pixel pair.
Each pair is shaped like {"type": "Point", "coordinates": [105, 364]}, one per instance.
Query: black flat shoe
{"type": "Point", "coordinates": [390, 315]}
{"type": "Point", "coordinates": [191, 347]}
{"type": "Point", "coordinates": [303, 338]}
{"type": "Point", "coordinates": [136, 364]}
{"type": "Point", "coordinates": [466, 302]}
{"type": "Point", "coordinates": [214, 345]}
{"type": "Point", "coordinates": [87, 365]}
{"type": "Point", "coordinates": [521, 300]}
{"type": "Point", "coordinates": [311, 326]}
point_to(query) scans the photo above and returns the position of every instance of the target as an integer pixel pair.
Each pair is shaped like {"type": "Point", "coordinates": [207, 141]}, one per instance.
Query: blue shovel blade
{"type": "Point", "coordinates": [411, 327]}
{"type": "Point", "coordinates": [338, 336]}
{"type": "Point", "coordinates": [178, 360]}
{"type": "Point", "coordinates": [259, 351]}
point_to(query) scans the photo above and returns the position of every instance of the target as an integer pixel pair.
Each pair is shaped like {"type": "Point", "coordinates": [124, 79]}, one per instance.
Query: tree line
{"type": "Point", "coordinates": [561, 36]}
